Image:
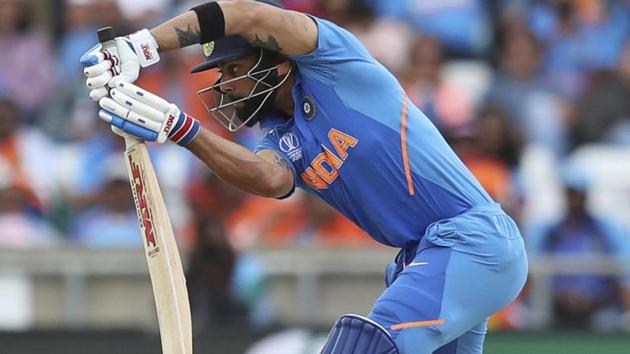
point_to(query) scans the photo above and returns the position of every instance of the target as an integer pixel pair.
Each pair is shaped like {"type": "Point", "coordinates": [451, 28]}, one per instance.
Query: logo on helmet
{"type": "Point", "coordinates": [208, 48]}
{"type": "Point", "coordinates": [290, 145]}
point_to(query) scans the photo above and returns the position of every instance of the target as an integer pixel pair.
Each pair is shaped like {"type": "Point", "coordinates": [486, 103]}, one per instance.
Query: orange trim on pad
{"type": "Point", "coordinates": [416, 324]}
{"type": "Point", "coordinates": [403, 145]}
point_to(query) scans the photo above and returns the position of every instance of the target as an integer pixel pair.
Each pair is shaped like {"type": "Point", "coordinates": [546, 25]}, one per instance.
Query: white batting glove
{"type": "Point", "coordinates": [146, 116]}
{"type": "Point", "coordinates": [102, 67]}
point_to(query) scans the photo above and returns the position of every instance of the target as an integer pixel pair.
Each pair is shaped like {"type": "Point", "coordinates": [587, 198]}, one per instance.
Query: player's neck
{"type": "Point", "coordinates": [284, 99]}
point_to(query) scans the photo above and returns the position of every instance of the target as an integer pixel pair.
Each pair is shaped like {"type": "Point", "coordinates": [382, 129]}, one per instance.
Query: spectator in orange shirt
{"type": "Point", "coordinates": [492, 157]}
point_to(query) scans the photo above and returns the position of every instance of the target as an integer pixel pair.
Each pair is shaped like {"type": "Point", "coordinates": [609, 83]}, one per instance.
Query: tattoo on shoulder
{"type": "Point", "coordinates": [271, 43]}
{"type": "Point", "coordinates": [187, 36]}
{"type": "Point", "coordinates": [281, 162]}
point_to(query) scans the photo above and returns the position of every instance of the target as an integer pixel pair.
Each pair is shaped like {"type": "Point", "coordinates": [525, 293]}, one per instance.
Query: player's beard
{"type": "Point", "coordinates": [257, 107]}
{"type": "Point", "coordinates": [234, 111]}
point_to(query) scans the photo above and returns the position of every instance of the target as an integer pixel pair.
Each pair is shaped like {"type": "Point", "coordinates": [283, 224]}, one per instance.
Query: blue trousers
{"type": "Point", "coordinates": [465, 269]}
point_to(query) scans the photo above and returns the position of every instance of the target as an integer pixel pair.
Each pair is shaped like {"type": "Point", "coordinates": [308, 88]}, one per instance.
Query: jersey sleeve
{"type": "Point", "coordinates": [271, 142]}
{"type": "Point", "coordinates": [335, 45]}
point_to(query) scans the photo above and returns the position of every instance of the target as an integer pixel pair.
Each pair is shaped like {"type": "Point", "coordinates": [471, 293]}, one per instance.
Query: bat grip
{"type": "Point", "coordinates": [106, 37]}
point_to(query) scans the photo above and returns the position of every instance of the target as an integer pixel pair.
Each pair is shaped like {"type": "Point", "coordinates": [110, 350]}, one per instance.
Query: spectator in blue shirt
{"type": "Point", "coordinates": [521, 90]}
{"type": "Point", "coordinates": [580, 300]}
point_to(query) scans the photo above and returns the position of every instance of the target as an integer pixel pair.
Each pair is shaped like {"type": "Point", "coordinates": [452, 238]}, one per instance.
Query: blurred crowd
{"type": "Point", "coordinates": [502, 80]}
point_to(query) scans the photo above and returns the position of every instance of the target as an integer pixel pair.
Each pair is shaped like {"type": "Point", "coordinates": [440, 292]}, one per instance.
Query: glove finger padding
{"type": "Point", "coordinates": [97, 94]}
{"type": "Point", "coordinates": [126, 113]}
{"type": "Point", "coordinates": [98, 81]}
{"type": "Point", "coordinates": [127, 126]}
{"type": "Point", "coordinates": [112, 106]}
{"type": "Point", "coordinates": [92, 56]}
{"type": "Point", "coordinates": [137, 106]}
{"type": "Point", "coordinates": [144, 96]}
{"type": "Point", "coordinates": [99, 69]}
{"type": "Point", "coordinates": [98, 63]}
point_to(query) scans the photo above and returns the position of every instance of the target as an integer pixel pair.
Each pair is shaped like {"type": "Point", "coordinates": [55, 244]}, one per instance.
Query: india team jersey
{"type": "Point", "coordinates": [357, 142]}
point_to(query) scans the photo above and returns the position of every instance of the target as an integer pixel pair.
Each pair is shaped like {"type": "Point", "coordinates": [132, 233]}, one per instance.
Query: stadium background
{"type": "Point", "coordinates": [533, 95]}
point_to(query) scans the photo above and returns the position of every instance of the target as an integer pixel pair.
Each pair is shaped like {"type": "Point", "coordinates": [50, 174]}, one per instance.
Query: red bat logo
{"type": "Point", "coordinates": [144, 214]}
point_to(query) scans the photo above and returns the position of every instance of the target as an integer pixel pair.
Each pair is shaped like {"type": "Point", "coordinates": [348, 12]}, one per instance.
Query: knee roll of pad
{"type": "Point", "coordinates": [354, 334]}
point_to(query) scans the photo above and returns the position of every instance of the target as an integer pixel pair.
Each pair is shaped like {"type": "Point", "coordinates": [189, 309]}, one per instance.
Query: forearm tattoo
{"type": "Point", "coordinates": [279, 161]}
{"type": "Point", "coordinates": [271, 43]}
{"type": "Point", "coordinates": [187, 36]}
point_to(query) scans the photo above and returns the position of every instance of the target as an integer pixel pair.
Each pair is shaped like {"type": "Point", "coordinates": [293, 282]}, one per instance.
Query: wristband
{"type": "Point", "coordinates": [211, 22]}
{"type": "Point", "coordinates": [186, 129]}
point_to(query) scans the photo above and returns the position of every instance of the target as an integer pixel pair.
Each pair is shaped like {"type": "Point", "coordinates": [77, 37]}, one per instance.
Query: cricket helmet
{"type": "Point", "coordinates": [223, 105]}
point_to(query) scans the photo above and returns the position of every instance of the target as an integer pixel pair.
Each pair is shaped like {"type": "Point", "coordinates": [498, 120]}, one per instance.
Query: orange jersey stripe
{"type": "Point", "coordinates": [416, 324]}
{"type": "Point", "coordinates": [403, 145]}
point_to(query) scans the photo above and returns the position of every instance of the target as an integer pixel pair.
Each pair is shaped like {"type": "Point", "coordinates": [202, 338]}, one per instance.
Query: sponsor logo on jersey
{"type": "Point", "coordinates": [325, 167]}
{"type": "Point", "coordinates": [290, 145]}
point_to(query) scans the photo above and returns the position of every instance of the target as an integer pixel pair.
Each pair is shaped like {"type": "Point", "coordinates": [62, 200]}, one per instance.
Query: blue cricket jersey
{"type": "Point", "coordinates": [357, 142]}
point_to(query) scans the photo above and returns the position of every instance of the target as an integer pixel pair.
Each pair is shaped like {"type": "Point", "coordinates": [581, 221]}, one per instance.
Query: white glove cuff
{"type": "Point", "coordinates": [145, 46]}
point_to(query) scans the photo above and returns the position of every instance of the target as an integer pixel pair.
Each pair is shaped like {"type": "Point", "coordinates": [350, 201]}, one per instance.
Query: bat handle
{"type": "Point", "coordinates": [106, 38]}
{"type": "Point", "coordinates": [131, 141]}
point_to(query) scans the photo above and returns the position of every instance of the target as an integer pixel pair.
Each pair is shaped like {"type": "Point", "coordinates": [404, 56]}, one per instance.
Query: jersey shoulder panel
{"type": "Point", "coordinates": [334, 45]}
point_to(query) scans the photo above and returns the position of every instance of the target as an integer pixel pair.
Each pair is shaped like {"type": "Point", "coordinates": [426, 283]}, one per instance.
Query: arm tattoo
{"type": "Point", "coordinates": [279, 161]}
{"type": "Point", "coordinates": [188, 36]}
{"type": "Point", "coordinates": [271, 43]}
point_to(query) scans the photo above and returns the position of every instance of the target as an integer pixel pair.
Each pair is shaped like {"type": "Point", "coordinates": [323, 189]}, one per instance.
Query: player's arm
{"type": "Point", "coordinates": [138, 112]}
{"type": "Point", "coordinates": [280, 30]}
{"type": "Point", "coordinates": [284, 31]}
{"type": "Point", "coordinates": [266, 173]}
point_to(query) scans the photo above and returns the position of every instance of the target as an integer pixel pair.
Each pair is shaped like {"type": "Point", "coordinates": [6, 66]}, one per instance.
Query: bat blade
{"type": "Point", "coordinates": [163, 260]}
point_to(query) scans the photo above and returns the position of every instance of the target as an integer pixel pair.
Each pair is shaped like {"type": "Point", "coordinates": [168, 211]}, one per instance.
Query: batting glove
{"type": "Point", "coordinates": [138, 112]}
{"type": "Point", "coordinates": [105, 67]}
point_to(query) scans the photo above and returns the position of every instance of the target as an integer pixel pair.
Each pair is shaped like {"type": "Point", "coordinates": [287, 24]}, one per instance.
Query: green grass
{"type": "Point", "coordinates": [557, 343]}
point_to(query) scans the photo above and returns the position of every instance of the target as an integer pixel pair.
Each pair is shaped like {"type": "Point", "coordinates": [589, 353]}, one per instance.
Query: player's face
{"type": "Point", "coordinates": [244, 91]}
{"type": "Point", "coordinates": [231, 71]}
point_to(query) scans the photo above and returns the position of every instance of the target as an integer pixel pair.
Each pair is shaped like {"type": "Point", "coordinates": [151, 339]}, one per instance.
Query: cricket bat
{"type": "Point", "coordinates": [160, 246]}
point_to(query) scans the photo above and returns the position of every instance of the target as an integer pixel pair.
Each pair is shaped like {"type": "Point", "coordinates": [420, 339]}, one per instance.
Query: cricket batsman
{"type": "Point", "coordinates": [340, 127]}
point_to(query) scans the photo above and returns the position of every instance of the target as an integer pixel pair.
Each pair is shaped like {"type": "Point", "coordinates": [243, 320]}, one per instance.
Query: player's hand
{"type": "Point", "coordinates": [106, 68]}
{"type": "Point", "coordinates": [146, 116]}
